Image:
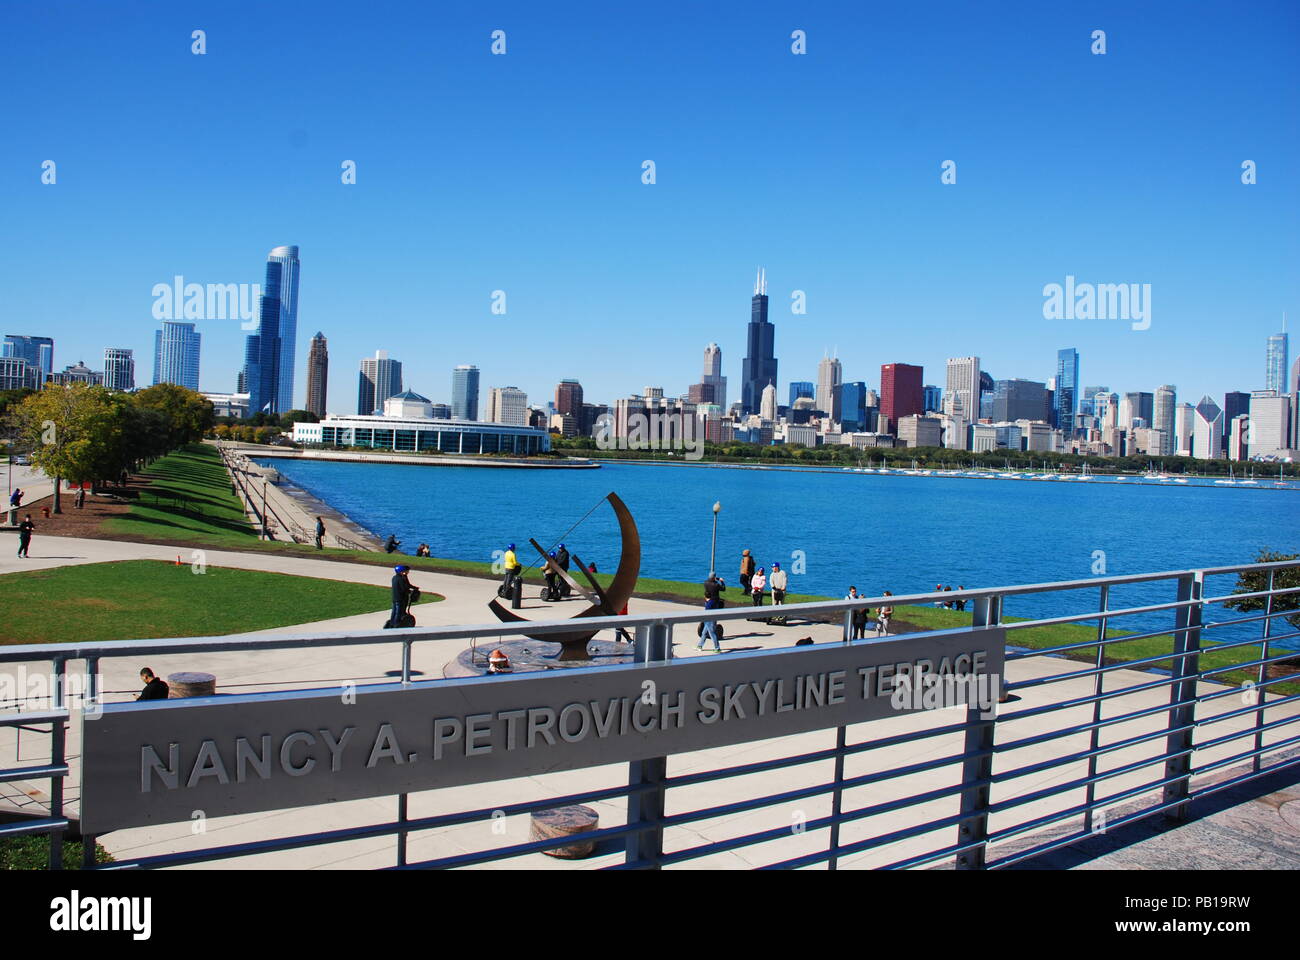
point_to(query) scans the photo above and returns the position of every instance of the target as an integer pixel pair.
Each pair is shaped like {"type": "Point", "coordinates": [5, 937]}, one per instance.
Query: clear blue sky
{"type": "Point", "coordinates": [523, 173]}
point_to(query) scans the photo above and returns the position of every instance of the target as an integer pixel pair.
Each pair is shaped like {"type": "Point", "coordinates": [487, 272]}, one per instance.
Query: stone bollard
{"type": "Point", "coordinates": [563, 822]}
{"type": "Point", "coordinates": [183, 685]}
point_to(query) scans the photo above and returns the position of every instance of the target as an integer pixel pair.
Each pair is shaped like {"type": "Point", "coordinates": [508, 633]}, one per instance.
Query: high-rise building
{"type": "Point", "coordinates": [1235, 403]}
{"type": "Point", "coordinates": [119, 368]}
{"type": "Point", "coordinates": [713, 374]}
{"type": "Point", "coordinates": [853, 406]}
{"type": "Point", "coordinates": [933, 398]}
{"type": "Point", "coordinates": [17, 374]}
{"type": "Point", "coordinates": [1270, 424]}
{"type": "Point", "coordinates": [1141, 406]}
{"type": "Point", "coordinates": [963, 385]}
{"type": "Point", "coordinates": [318, 374]}
{"type": "Point", "coordinates": [1165, 401]}
{"type": "Point", "coordinates": [829, 378]}
{"type": "Point", "coordinates": [1275, 362]}
{"type": "Point", "coordinates": [1184, 429]}
{"type": "Point", "coordinates": [759, 367]}
{"type": "Point", "coordinates": [568, 398]}
{"type": "Point", "coordinates": [1086, 405]}
{"type": "Point", "coordinates": [802, 388]}
{"type": "Point", "coordinates": [269, 353]}
{"type": "Point", "coordinates": [1207, 430]}
{"type": "Point", "coordinates": [464, 392]}
{"type": "Point", "coordinates": [37, 351]}
{"type": "Point", "coordinates": [508, 405]}
{"type": "Point", "coordinates": [176, 354]}
{"type": "Point", "coordinates": [767, 407]}
{"type": "Point", "coordinates": [1066, 389]}
{"type": "Point", "coordinates": [901, 394]}
{"type": "Point", "coordinates": [380, 379]}
{"type": "Point", "coordinates": [1020, 400]}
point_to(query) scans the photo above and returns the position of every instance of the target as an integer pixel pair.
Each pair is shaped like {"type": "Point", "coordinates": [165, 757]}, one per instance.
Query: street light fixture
{"type": "Point", "coordinates": [713, 550]}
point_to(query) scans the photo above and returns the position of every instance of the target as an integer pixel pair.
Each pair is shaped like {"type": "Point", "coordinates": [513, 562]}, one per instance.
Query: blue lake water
{"type": "Point", "coordinates": [899, 533]}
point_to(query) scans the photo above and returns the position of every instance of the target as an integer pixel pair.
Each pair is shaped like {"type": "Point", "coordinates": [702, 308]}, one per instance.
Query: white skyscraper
{"type": "Point", "coordinates": [963, 386]}
{"type": "Point", "coordinates": [508, 405]}
{"type": "Point", "coordinates": [1165, 401]}
{"type": "Point", "coordinates": [119, 368]}
{"type": "Point", "coordinates": [380, 379]}
{"type": "Point", "coordinates": [1184, 418]}
{"type": "Point", "coordinates": [1207, 430]}
{"type": "Point", "coordinates": [1269, 430]}
{"type": "Point", "coordinates": [767, 409]}
{"type": "Point", "coordinates": [829, 378]}
{"type": "Point", "coordinates": [713, 374]}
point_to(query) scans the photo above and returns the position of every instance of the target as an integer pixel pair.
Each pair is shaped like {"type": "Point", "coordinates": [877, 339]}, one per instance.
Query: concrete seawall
{"type": "Point", "coordinates": [256, 450]}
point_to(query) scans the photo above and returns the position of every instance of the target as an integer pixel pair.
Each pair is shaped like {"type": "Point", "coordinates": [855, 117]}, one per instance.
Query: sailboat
{"type": "Point", "coordinates": [1231, 481]}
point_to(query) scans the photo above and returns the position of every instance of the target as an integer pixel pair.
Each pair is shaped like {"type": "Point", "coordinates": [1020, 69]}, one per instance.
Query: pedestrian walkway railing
{"type": "Point", "coordinates": [265, 515]}
{"type": "Point", "coordinates": [1155, 691]}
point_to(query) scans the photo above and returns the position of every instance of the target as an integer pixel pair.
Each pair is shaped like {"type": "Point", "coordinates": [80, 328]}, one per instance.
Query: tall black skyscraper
{"type": "Point", "coordinates": [759, 368]}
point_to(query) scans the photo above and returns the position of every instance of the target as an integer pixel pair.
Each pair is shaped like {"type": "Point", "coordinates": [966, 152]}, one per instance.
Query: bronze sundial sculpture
{"type": "Point", "coordinates": [604, 602]}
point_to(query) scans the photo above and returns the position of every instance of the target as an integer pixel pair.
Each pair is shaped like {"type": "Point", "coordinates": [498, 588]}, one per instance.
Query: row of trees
{"type": "Point", "coordinates": [88, 434]}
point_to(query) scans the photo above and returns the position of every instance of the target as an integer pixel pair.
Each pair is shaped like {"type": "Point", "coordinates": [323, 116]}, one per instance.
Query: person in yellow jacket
{"type": "Point", "coordinates": [512, 568]}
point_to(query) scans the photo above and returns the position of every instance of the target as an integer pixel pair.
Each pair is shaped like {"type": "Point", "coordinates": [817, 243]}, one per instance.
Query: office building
{"type": "Point", "coordinates": [269, 353]}
{"type": "Point", "coordinates": [963, 386]}
{"type": "Point", "coordinates": [464, 392]}
{"type": "Point", "coordinates": [380, 379]}
{"type": "Point", "coordinates": [802, 388]}
{"type": "Point", "coordinates": [568, 397]}
{"type": "Point", "coordinates": [508, 405]}
{"type": "Point", "coordinates": [1235, 403]}
{"type": "Point", "coordinates": [1166, 399]}
{"type": "Point", "coordinates": [1275, 362]}
{"type": "Point", "coordinates": [1065, 391]}
{"type": "Point", "coordinates": [853, 406]}
{"type": "Point", "coordinates": [767, 408]}
{"type": "Point", "coordinates": [829, 378]}
{"type": "Point", "coordinates": [1137, 405]}
{"type": "Point", "coordinates": [1086, 404]}
{"type": "Point", "coordinates": [17, 374]}
{"type": "Point", "coordinates": [176, 354]}
{"type": "Point", "coordinates": [759, 366]}
{"type": "Point", "coordinates": [713, 374]}
{"type": "Point", "coordinates": [318, 374]}
{"type": "Point", "coordinates": [933, 399]}
{"type": "Point", "coordinates": [901, 394]}
{"type": "Point", "coordinates": [119, 368]}
{"type": "Point", "coordinates": [228, 404]}
{"type": "Point", "coordinates": [76, 373]}
{"type": "Point", "coordinates": [1020, 400]}
{"type": "Point", "coordinates": [1207, 430]}
{"type": "Point", "coordinates": [919, 431]}
{"type": "Point", "coordinates": [37, 351]}
{"type": "Point", "coordinates": [1238, 433]}
{"type": "Point", "coordinates": [1270, 425]}
{"type": "Point", "coordinates": [1184, 424]}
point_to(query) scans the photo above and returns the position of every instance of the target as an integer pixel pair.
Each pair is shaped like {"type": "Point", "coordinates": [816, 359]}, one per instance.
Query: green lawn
{"type": "Point", "coordinates": [197, 472]}
{"type": "Point", "coordinates": [33, 853]}
{"type": "Point", "coordinates": [135, 599]}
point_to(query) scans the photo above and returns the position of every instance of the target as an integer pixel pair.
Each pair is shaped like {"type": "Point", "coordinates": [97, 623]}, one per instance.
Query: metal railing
{"type": "Point", "coordinates": [1155, 758]}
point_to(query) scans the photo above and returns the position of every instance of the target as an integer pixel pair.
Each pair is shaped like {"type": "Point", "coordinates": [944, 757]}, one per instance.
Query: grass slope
{"type": "Point", "coordinates": [147, 598]}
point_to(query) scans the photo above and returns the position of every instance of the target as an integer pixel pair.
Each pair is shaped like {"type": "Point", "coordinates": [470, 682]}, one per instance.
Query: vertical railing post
{"type": "Point", "coordinates": [1182, 693]}
{"type": "Point", "coordinates": [1263, 672]}
{"type": "Point", "coordinates": [837, 800]}
{"type": "Point", "coordinates": [89, 701]}
{"type": "Point", "coordinates": [1097, 687]}
{"type": "Point", "coordinates": [58, 757]}
{"type": "Point", "coordinates": [977, 768]}
{"type": "Point", "coordinates": [653, 644]}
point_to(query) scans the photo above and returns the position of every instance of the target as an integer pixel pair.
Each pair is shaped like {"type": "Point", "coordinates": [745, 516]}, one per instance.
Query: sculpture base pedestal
{"type": "Point", "coordinates": [531, 656]}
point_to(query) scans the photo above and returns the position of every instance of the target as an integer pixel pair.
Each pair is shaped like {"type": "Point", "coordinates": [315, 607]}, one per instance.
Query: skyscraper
{"type": "Point", "coordinates": [568, 398]}
{"type": "Point", "coordinates": [37, 351]}
{"type": "Point", "coordinates": [963, 386]}
{"type": "Point", "coordinates": [1165, 402]}
{"type": "Point", "coordinates": [318, 374]}
{"type": "Point", "coordinates": [380, 379]}
{"type": "Point", "coordinates": [508, 405]}
{"type": "Point", "coordinates": [713, 374]}
{"type": "Point", "coordinates": [1207, 430]}
{"type": "Point", "coordinates": [119, 368]}
{"type": "Point", "coordinates": [829, 378]}
{"type": "Point", "coordinates": [1086, 405]}
{"type": "Point", "coordinates": [1141, 406]}
{"type": "Point", "coordinates": [176, 354]}
{"type": "Point", "coordinates": [801, 388]}
{"type": "Point", "coordinates": [759, 368]}
{"type": "Point", "coordinates": [464, 392]}
{"type": "Point", "coordinates": [1066, 395]}
{"type": "Point", "coordinates": [1020, 400]}
{"type": "Point", "coordinates": [1275, 362]}
{"type": "Point", "coordinates": [853, 406]}
{"type": "Point", "coordinates": [269, 353]}
{"type": "Point", "coordinates": [1235, 403]}
{"type": "Point", "coordinates": [767, 407]}
{"type": "Point", "coordinates": [901, 393]}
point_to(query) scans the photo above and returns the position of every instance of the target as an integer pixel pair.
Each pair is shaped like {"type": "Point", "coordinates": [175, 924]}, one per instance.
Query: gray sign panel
{"type": "Point", "coordinates": [163, 762]}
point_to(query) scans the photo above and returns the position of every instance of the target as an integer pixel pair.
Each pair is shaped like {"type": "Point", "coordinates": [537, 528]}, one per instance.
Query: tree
{"type": "Point", "coordinates": [189, 415]}
{"type": "Point", "coordinates": [76, 432]}
{"type": "Point", "coordinates": [297, 416]}
{"type": "Point", "coordinates": [1254, 581]}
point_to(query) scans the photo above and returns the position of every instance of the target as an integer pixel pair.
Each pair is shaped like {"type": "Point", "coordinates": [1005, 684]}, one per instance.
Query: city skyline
{"type": "Point", "coordinates": [651, 270]}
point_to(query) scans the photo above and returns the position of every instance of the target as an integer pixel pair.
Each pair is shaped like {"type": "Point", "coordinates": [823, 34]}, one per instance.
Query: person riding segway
{"type": "Point", "coordinates": [513, 568]}
{"type": "Point", "coordinates": [405, 594]}
{"type": "Point", "coordinates": [551, 592]}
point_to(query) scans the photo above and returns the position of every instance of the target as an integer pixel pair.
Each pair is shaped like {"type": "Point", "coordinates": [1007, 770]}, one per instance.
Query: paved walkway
{"type": "Point", "coordinates": [466, 603]}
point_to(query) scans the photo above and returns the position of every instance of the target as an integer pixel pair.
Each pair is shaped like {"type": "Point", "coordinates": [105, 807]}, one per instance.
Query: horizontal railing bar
{"type": "Point", "coordinates": [1081, 782]}
{"type": "Point", "coordinates": [1084, 701]}
{"type": "Point", "coordinates": [1249, 753]}
{"type": "Point", "coordinates": [1213, 788]}
{"type": "Point", "coordinates": [1276, 658]}
{"type": "Point", "coordinates": [21, 828]}
{"type": "Point", "coordinates": [1099, 751]}
{"type": "Point", "coordinates": [1078, 811]}
{"type": "Point", "coordinates": [1236, 691]}
{"type": "Point", "coordinates": [1275, 592]}
{"type": "Point", "coordinates": [34, 716]}
{"type": "Point", "coordinates": [1085, 644]}
{"type": "Point", "coordinates": [34, 773]}
{"type": "Point", "coordinates": [1242, 711]}
{"type": "Point", "coordinates": [1097, 615]}
{"type": "Point", "coordinates": [1080, 728]}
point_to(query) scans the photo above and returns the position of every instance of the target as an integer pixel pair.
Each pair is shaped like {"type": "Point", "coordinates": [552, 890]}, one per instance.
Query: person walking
{"type": "Point", "coordinates": [859, 623]}
{"type": "Point", "coordinates": [757, 584]}
{"type": "Point", "coordinates": [80, 500]}
{"type": "Point", "coordinates": [25, 535]}
{"type": "Point", "coordinates": [882, 621]}
{"type": "Point", "coordinates": [562, 560]}
{"type": "Point", "coordinates": [320, 533]}
{"type": "Point", "coordinates": [154, 687]}
{"type": "Point", "coordinates": [746, 569]}
{"type": "Point", "coordinates": [779, 582]}
{"type": "Point", "coordinates": [709, 628]}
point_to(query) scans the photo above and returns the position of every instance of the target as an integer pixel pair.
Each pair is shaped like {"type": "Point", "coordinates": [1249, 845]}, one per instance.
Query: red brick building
{"type": "Point", "coordinates": [902, 393]}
